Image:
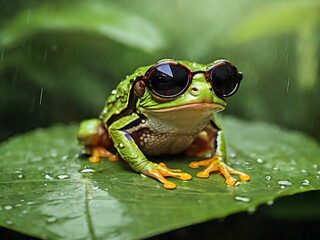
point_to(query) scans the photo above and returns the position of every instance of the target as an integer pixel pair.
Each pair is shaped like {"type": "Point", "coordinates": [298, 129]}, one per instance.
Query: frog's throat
{"type": "Point", "coordinates": [197, 106]}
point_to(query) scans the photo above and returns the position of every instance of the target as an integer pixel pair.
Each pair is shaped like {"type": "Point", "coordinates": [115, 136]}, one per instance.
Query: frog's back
{"type": "Point", "coordinates": [118, 100]}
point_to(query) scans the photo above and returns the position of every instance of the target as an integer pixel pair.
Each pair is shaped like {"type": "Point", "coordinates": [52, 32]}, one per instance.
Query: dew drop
{"type": "Point", "coordinates": [268, 178]}
{"type": "Point", "coordinates": [276, 169]}
{"type": "Point", "coordinates": [9, 222]}
{"type": "Point", "coordinates": [19, 174]}
{"type": "Point", "coordinates": [7, 208]}
{"type": "Point", "coordinates": [303, 171]}
{"type": "Point", "coordinates": [233, 155]}
{"type": "Point", "coordinates": [45, 184]}
{"type": "Point", "coordinates": [48, 177]}
{"type": "Point", "coordinates": [283, 187]}
{"type": "Point", "coordinates": [65, 157]}
{"type": "Point", "coordinates": [88, 170]}
{"type": "Point", "coordinates": [121, 145]}
{"type": "Point", "coordinates": [114, 91]}
{"type": "Point", "coordinates": [25, 211]}
{"type": "Point", "coordinates": [243, 199]}
{"type": "Point", "coordinates": [238, 183]}
{"type": "Point", "coordinates": [62, 176]}
{"type": "Point", "coordinates": [305, 182]}
{"type": "Point", "coordinates": [259, 160]}
{"type": "Point", "coordinates": [286, 183]}
{"type": "Point", "coordinates": [251, 210]}
{"type": "Point", "coordinates": [270, 203]}
{"type": "Point", "coordinates": [315, 166]}
{"type": "Point", "coordinates": [51, 219]}
{"type": "Point", "coordinates": [95, 188]}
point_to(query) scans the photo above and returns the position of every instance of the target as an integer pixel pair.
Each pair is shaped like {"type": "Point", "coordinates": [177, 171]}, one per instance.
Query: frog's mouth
{"type": "Point", "coordinates": [192, 106]}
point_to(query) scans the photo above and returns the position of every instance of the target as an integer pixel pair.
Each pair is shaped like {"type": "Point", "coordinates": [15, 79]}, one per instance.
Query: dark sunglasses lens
{"type": "Point", "coordinates": [224, 80]}
{"type": "Point", "coordinates": [169, 80]}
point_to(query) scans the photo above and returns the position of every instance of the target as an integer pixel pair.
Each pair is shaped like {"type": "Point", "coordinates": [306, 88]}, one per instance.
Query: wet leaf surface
{"type": "Point", "coordinates": [50, 190]}
{"type": "Point", "coordinates": [109, 21]}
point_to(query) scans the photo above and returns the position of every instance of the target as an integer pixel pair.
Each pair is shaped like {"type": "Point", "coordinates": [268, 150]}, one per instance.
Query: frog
{"type": "Point", "coordinates": [164, 109]}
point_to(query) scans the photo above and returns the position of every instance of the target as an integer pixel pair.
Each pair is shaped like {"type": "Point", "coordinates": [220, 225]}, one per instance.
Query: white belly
{"type": "Point", "coordinates": [172, 132]}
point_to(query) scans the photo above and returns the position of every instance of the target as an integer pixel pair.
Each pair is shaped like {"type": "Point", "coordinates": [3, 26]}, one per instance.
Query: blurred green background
{"type": "Point", "coordinates": [59, 60]}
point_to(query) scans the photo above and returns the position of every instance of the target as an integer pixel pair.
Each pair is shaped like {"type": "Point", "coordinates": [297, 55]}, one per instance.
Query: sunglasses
{"type": "Point", "coordinates": [171, 79]}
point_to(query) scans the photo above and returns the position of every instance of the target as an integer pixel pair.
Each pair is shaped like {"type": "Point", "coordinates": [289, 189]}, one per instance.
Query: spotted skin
{"type": "Point", "coordinates": [136, 124]}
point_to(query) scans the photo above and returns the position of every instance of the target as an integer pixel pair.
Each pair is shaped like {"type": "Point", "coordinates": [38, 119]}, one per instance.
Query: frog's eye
{"type": "Point", "coordinates": [225, 79]}
{"type": "Point", "coordinates": [169, 80]}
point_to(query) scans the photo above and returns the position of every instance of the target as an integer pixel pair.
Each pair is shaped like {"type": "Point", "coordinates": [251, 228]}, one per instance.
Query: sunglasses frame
{"type": "Point", "coordinates": [207, 74]}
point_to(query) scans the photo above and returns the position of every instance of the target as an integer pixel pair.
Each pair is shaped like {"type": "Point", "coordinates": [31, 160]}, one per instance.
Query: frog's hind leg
{"type": "Point", "coordinates": [93, 135]}
{"type": "Point", "coordinates": [214, 141]}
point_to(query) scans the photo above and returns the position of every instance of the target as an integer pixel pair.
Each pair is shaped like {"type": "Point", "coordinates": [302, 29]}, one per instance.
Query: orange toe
{"type": "Point", "coordinates": [94, 159]}
{"type": "Point", "coordinates": [194, 165]}
{"type": "Point", "coordinates": [203, 174]}
{"type": "Point", "coordinates": [231, 181]}
{"type": "Point", "coordinates": [113, 157]}
{"type": "Point", "coordinates": [185, 176]}
{"type": "Point", "coordinates": [169, 185]}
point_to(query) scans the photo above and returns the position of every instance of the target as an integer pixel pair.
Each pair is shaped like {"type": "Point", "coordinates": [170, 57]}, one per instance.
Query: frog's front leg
{"type": "Point", "coordinates": [217, 163]}
{"type": "Point", "coordinates": [131, 153]}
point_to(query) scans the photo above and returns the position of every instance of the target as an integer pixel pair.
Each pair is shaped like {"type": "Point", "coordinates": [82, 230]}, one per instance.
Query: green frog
{"type": "Point", "coordinates": [166, 108]}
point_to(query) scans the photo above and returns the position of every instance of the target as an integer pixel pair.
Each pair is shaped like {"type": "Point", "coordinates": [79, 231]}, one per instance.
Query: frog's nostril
{"type": "Point", "coordinates": [194, 91]}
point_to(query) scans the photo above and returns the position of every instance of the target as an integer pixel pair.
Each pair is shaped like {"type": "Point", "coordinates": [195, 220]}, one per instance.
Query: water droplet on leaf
{"type": "Point", "coordinates": [62, 176]}
{"type": "Point", "coordinates": [305, 182]}
{"type": "Point", "coordinates": [47, 176]}
{"type": "Point", "coordinates": [259, 160]}
{"type": "Point", "coordinates": [8, 207]}
{"type": "Point", "coordinates": [243, 199]}
{"type": "Point", "coordinates": [287, 183]}
{"type": "Point", "coordinates": [51, 219]}
{"type": "Point", "coordinates": [88, 170]}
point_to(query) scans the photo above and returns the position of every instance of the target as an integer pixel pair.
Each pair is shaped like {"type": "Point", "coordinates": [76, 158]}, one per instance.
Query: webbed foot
{"type": "Point", "coordinates": [160, 171]}
{"type": "Point", "coordinates": [216, 165]}
{"type": "Point", "coordinates": [99, 151]}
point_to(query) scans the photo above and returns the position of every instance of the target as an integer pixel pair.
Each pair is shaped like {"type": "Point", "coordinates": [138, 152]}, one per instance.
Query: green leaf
{"type": "Point", "coordinates": [50, 191]}
{"type": "Point", "coordinates": [276, 20]}
{"type": "Point", "coordinates": [102, 19]}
